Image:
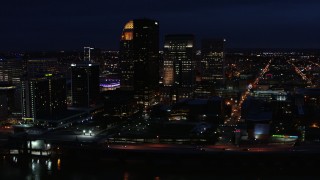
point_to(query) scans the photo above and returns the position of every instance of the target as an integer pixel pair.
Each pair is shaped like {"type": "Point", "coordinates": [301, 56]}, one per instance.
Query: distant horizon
{"type": "Point", "coordinates": [199, 48]}
{"type": "Point", "coordinates": [161, 44]}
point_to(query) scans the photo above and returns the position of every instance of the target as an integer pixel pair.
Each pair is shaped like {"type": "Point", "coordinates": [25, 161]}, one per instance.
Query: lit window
{"type": "Point", "coordinates": [127, 36]}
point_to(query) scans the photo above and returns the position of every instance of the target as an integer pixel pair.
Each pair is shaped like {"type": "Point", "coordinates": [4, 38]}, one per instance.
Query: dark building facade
{"type": "Point", "coordinates": [212, 66]}
{"type": "Point", "coordinates": [6, 100]}
{"type": "Point", "coordinates": [39, 67]}
{"type": "Point", "coordinates": [85, 87]}
{"type": "Point", "coordinates": [139, 60]}
{"type": "Point", "coordinates": [11, 72]}
{"type": "Point", "coordinates": [87, 54]}
{"type": "Point", "coordinates": [178, 67]}
{"type": "Point", "coordinates": [206, 110]}
{"type": "Point", "coordinates": [44, 97]}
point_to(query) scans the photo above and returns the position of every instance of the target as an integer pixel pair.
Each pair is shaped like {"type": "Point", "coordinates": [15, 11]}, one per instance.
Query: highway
{"type": "Point", "coordinates": [174, 148]}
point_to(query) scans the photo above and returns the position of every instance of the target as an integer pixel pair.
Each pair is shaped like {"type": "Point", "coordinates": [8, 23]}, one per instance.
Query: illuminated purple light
{"type": "Point", "coordinates": [110, 85]}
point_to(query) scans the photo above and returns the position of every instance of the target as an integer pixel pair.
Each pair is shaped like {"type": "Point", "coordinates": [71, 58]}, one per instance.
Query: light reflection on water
{"type": "Point", "coordinates": [38, 168]}
{"type": "Point", "coordinates": [59, 164]}
{"type": "Point", "coordinates": [35, 168]}
{"type": "Point", "coordinates": [125, 176]}
{"type": "Point", "coordinates": [15, 167]}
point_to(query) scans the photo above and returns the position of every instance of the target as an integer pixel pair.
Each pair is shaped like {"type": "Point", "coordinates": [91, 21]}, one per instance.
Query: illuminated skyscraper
{"type": "Point", "coordinates": [179, 66]}
{"type": "Point", "coordinates": [11, 72]}
{"type": "Point", "coordinates": [44, 97]}
{"type": "Point", "coordinates": [7, 93]}
{"type": "Point", "coordinates": [126, 57]}
{"type": "Point", "coordinates": [139, 56]}
{"type": "Point", "coordinates": [213, 62]}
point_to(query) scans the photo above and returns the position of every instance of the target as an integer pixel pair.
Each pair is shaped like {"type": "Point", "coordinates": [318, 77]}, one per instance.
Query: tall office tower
{"type": "Point", "coordinates": [44, 98]}
{"type": "Point", "coordinates": [84, 85]}
{"type": "Point", "coordinates": [7, 92]}
{"type": "Point", "coordinates": [139, 56]}
{"type": "Point", "coordinates": [213, 63]}
{"type": "Point", "coordinates": [179, 67]}
{"type": "Point", "coordinates": [39, 67]}
{"type": "Point", "coordinates": [87, 54]}
{"type": "Point", "coordinates": [11, 72]}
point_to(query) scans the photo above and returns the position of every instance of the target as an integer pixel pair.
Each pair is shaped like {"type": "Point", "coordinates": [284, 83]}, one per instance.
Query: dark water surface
{"type": "Point", "coordinates": [34, 168]}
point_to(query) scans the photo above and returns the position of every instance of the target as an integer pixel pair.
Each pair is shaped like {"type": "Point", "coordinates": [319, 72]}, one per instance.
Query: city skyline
{"type": "Point", "coordinates": [59, 25]}
{"type": "Point", "coordinates": [151, 89]}
{"type": "Point", "coordinates": [259, 108]}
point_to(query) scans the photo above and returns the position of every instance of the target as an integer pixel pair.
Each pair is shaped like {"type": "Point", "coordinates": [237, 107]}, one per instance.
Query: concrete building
{"type": "Point", "coordinates": [85, 85]}
{"type": "Point", "coordinates": [139, 57]}
{"type": "Point", "coordinates": [179, 67]}
{"type": "Point", "coordinates": [44, 97]}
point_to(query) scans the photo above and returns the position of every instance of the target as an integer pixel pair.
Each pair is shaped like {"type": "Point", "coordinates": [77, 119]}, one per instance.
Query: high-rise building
{"type": "Point", "coordinates": [44, 97]}
{"type": "Point", "coordinates": [139, 57]}
{"type": "Point", "coordinates": [126, 57]}
{"type": "Point", "coordinates": [7, 92]}
{"type": "Point", "coordinates": [39, 67]}
{"type": "Point", "coordinates": [84, 85]}
{"type": "Point", "coordinates": [178, 67]}
{"type": "Point", "coordinates": [213, 62]}
{"type": "Point", "coordinates": [87, 54]}
{"type": "Point", "coordinates": [11, 72]}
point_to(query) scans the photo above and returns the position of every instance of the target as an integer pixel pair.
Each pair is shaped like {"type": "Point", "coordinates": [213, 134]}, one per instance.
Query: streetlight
{"type": "Point", "coordinates": [90, 132]}
{"type": "Point", "coordinates": [84, 132]}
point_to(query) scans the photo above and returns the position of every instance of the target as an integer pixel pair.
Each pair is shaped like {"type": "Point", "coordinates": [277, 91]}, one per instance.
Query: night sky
{"type": "Point", "coordinates": [72, 24]}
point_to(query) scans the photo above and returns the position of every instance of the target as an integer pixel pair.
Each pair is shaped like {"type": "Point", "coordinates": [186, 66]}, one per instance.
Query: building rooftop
{"type": "Point", "coordinates": [261, 116]}
{"type": "Point", "coordinates": [308, 91]}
